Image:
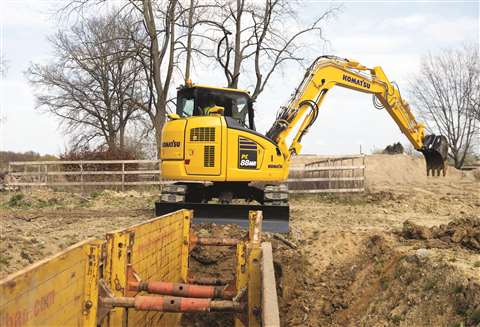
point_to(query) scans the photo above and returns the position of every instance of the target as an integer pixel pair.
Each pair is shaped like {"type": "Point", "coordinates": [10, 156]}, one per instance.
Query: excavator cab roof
{"type": "Point", "coordinates": [226, 89]}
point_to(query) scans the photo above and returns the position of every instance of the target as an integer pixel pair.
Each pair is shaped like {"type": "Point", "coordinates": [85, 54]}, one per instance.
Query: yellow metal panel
{"type": "Point", "coordinates": [254, 285]}
{"type": "Point", "coordinates": [204, 157]}
{"type": "Point", "coordinates": [173, 140]}
{"type": "Point", "coordinates": [92, 271]}
{"type": "Point", "coordinates": [271, 166]}
{"type": "Point", "coordinates": [157, 255]}
{"type": "Point", "coordinates": [254, 253]}
{"type": "Point", "coordinates": [221, 88]}
{"type": "Point", "coordinates": [186, 244]}
{"type": "Point", "coordinates": [58, 291]}
{"type": "Point", "coordinates": [241, 274]}
{"type": "Point", "coordinates": [115, 273]}
{"type": "Point", "coordinates": [156, 251]}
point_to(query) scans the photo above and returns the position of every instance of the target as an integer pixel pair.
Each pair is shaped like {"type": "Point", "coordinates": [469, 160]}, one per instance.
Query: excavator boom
{"type": "Point", "coordinates": [329, 71]}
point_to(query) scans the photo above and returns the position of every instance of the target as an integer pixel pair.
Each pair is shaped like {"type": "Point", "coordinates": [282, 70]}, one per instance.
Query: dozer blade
{"type": "Point", "coordinates": [435, 150]}
{"type": "Point", "coordinates": [275, 217]}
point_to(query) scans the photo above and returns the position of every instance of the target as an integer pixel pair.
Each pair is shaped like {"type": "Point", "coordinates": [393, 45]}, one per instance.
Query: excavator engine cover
{"type": "Point", "coordinates": [435, 151]}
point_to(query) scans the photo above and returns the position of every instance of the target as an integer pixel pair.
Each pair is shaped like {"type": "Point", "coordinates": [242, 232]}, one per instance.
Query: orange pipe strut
{"type": "Point", "coordinates": [180, 289]}
{"type": "Point", "coordinates": [171, 304]}
{"type": "Point", "coordinates": [212, 241]}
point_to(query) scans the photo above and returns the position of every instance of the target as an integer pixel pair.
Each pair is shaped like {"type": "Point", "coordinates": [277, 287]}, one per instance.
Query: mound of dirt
{"type": "Point", "coordinates": [392, 170]}
{"type": "Point", "coordinates": [379, 285]}
{"type": "Point", "coordinates": [464, 232]}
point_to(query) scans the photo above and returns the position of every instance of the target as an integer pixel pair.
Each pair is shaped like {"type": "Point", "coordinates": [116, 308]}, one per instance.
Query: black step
{"type": "Point", "coordinates": [275, 217]}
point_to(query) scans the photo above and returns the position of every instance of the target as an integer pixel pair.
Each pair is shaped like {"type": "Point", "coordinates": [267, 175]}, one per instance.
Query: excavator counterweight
{"type": "Point", "coordinates": [222, 167]}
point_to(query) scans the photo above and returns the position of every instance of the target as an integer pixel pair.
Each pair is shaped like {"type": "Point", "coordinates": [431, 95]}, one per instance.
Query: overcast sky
{"type": "Point", "coordinates": [391, 34]}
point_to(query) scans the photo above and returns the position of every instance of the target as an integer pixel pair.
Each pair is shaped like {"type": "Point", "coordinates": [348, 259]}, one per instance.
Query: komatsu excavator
{"type": "Point", "coordinates": [223, 167]}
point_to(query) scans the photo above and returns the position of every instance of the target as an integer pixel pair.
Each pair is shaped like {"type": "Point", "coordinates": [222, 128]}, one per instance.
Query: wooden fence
{"type": "Point", "coordinates": [120, 173]}
{"type": "Point", "coordinates": [344, 174]}
{"type": "Point", "coordinates": [332, 175]}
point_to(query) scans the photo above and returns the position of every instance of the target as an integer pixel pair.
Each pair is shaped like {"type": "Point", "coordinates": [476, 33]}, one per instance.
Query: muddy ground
{"type": "Point", "coordinates": [405, 253]}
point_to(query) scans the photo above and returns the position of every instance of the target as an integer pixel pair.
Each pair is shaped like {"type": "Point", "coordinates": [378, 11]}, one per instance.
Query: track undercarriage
{"type": "Point", "coordinates": [228, 203]}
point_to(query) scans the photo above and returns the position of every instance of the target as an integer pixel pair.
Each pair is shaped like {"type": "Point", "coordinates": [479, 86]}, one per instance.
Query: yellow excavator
{"type": "Point", "coordinates": [222, 167]}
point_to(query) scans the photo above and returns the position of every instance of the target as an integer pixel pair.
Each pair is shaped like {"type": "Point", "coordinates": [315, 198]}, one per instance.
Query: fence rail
{"type": "Point", "coordinates": [331, 175]}
{"type": "Point", "coordinates": [84, 173]}
{"type": "Point", "coordinates": [344, 174]}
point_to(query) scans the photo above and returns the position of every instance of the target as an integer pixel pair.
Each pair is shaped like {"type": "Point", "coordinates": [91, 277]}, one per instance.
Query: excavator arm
{"type": "Point", "coordinates": [329, 71]}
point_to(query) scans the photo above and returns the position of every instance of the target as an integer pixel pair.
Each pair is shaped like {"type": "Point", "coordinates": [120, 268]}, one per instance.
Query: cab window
{"type": "Point", "coordinates": [197, 101]}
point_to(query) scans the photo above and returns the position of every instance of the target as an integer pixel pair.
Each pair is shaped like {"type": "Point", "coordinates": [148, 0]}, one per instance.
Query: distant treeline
{"type": "Point", "coordinates": [7, 156]}
{"type": "Point", "coordinates": [102, 153]}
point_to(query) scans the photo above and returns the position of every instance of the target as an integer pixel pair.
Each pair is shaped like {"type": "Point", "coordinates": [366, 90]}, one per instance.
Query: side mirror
{"type": "Point", "coordinates": [173, 116]}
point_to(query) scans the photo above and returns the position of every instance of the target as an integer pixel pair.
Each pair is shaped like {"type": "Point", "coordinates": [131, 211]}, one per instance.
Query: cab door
{"type": "Point", "coordinates": [203, 142]}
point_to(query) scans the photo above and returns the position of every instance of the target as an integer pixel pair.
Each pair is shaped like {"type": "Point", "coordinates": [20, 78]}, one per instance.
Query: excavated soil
{"type": "Point", "coordinates": [405, 253]}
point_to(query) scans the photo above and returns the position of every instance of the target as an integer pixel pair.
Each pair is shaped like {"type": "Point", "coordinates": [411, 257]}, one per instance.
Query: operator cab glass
{"type": "Point", "coordinates": [197, 100]}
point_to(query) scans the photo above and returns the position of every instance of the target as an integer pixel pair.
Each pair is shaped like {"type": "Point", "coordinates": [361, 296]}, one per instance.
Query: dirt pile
{"type": "Point", "coordinates": [379, 285]}
{"type": "Point", "coordinates": [391, 170]}
{"type": "Point", "coordinates": [464, 232]}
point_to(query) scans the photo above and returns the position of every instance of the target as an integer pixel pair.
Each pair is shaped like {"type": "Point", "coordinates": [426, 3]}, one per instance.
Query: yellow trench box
{"type": "Point", "coordinates": [63, 290]}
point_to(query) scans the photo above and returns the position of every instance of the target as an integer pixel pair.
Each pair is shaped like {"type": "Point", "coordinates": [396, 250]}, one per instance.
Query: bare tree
{"type": "Point", "coordinates": [94, 80]}
{"type": "Point", "coordinates": [180, 30]}
{"type": "Point", "coordinates": [446, 93]}
{"type": "Point", "coordinates": [259, 37]}
{"type": "Point", "coordinates": [164, 23]}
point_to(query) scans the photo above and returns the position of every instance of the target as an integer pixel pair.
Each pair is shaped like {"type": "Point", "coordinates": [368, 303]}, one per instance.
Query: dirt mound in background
{"type": "Point", "coordinates": [392, 170]}
{"type": "Point", "coordinates": [464, 232]}
{"type": "Point", "coordinates": [379, 285]}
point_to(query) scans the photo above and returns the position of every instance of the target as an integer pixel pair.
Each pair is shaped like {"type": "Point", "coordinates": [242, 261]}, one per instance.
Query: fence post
{"type": "Point", "coordinates": [81, 177]}
{"type": "Point", "coordinates": [363, 172]}
{"type": "Point", "coordinates": [123, 176]}
{"type": "Point", "coordinates": [329, 175]}
{"type": "Point", "coordinates": [46, 174]}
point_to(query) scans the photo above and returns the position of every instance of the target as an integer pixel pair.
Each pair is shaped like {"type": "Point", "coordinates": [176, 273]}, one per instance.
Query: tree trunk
{"type": "Point", "coordinates": [158, 125]}
{"type": "Point", "coordinates": [189, 40]}
{"type": "Point", "coordinates": [238, 42]}
{"type": "Point", "coordinates": [111, 142]}
{"type": "Point", "coordinates": [122, 137]}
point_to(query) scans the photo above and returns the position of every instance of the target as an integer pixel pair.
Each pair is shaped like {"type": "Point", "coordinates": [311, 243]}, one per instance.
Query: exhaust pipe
{"type": "Point", "coordinates": [435, 150]}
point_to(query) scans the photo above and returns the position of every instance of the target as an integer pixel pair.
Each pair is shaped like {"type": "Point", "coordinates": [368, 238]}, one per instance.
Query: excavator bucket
{"type": "Point", "coordinates": [435, 150]}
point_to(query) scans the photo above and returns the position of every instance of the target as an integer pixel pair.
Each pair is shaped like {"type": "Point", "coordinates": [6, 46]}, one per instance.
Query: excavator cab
{"type": "Point", "coordinates": [435, 150]}
{"type": "Point", "coordinates": [199, 101]}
